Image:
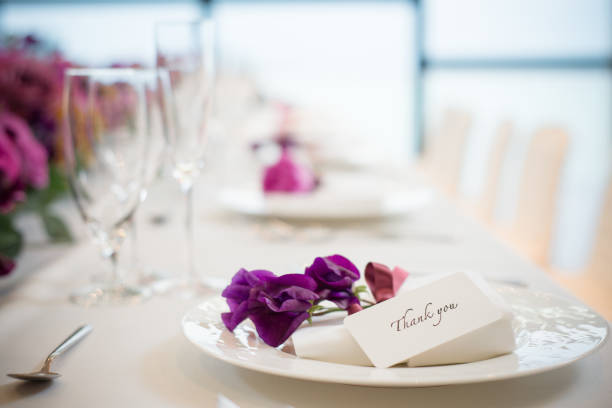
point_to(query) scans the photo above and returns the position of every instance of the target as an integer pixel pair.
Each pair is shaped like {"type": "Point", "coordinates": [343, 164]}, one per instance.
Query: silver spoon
{"type": "Point", "coordinates": [44, 374]}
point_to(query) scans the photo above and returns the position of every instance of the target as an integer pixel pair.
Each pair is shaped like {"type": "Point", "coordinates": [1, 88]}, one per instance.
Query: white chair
{"type": "Point", "coordinates": [532, 229]}
{"type": "Point", "coordinates": [444, 150]}
{"type": "Point", "coordinates": [483, 206]}
{"type": "Point", "coordinates": [594, 283]}
{"type": "Point", "coordinates": [494, 169]}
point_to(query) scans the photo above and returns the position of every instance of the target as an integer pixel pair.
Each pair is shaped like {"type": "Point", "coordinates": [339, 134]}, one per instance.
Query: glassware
{"type": "Point", "coordinates": [185, 63]}
{"type": "Point", "coordinates": [155, 175]}
{"type": "Point", "coordinates": [105, 151]}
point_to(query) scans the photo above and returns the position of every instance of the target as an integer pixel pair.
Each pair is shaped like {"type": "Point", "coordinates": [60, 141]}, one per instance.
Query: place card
{"type": "Point", "coordinates": [423, 318]}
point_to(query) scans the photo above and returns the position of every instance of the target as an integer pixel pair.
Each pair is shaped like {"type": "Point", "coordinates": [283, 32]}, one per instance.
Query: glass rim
{"type": "Point", "coordinates": [202, 20]}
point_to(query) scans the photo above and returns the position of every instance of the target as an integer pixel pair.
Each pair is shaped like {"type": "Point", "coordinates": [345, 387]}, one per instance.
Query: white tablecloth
{"type": "Point", "coordinates": [137, 356]}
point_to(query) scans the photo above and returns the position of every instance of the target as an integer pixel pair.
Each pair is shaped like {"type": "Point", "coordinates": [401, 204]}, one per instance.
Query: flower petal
{"type": "Point", "coordinates": [329, 274]}
{"type": "Point", "coordinates": [233, 319]}
{"type": "Point", "coordinates": [275, 328]}
{"type": "Point", "coordinates": [236, 292]}
{"type": "Point", "coordinates": [296, 279]}
{"type": "Point", "coordinates": [345, 263]}
{"type": "Point", "coordinates": [382, 281]}
{"type": "Point", "coordinates": [289, 305]}
{"type": "Point", "coordinates": [342, 299]}
{"type": "Point", "coordinates": [258, 276]}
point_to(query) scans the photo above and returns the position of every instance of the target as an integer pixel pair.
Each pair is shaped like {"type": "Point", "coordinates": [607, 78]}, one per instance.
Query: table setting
{"type": "Point", "coordinates": [302, 285]}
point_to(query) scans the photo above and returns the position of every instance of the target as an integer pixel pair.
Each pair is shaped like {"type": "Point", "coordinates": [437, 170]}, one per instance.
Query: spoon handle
{"type": "Point", "coordinates": [73, 339]}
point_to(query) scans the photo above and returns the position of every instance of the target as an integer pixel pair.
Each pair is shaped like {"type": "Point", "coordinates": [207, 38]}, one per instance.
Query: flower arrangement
{"type": "Point", "coordinates": [286, 174]}
{"type": "Point", "coordinates": [31, 86]}
{"type": "Point", "coordinates": [278, 305]}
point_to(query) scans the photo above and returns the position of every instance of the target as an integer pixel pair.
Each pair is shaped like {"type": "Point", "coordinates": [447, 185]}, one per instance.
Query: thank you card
{"type": "Point", "coordinates": [416, 321]}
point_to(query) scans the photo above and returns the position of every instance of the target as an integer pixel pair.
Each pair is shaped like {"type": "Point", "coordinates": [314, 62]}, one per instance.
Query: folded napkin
{"type": "Point", "coordinates": [288, 176]}
{"type": "Point", "coordinates": [328, 339]}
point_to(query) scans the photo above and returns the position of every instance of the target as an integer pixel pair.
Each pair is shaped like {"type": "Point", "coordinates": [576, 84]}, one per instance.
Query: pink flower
{"type": "Point", "coordinates": [288, 176]}
{"type": "Point", "coordinates": [6, 265]}
{"type": "Point", "coordinates": [383, 281]}
{"type": "Point", "coordinates": [23, 161]}
{"type": "Point", "coordinates": [10, 163]}
{"type": "Point", "coordinates": [31, 87]}
{"type": "Point", "coordinates": [34, 169]}
{"type": "Point", "coordinates": [11, 188]}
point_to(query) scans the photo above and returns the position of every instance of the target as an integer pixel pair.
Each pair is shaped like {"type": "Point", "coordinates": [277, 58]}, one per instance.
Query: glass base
{"type": "Point", "coordinates": [149, 277]}
{"type": "Point", "coordinates": [95, 295]}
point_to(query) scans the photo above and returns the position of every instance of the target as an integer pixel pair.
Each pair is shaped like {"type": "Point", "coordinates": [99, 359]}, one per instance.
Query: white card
{"type": "Point", "coordinates": [416, 321]}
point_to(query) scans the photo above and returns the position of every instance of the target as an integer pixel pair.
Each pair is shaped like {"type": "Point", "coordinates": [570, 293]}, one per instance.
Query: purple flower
{"type": "Point", "coordinates": [10, 164]}
{"type": "Point", "coordinates": [334, 276]}
{"type": "Point", "coordinates": [288, 176]}
{"type": "Point", "coordinates": [11, 187]}
{"type": "Point", "coordinates": [34, 171]}
{"type": "Point", "coordinates": [277, 305]}
{"type": "Point", "coordinates": [6, 265]}
{"type": "Point", "coordinates": [23, 161]}
{"type": "Point", "coordinates": [31, 87]}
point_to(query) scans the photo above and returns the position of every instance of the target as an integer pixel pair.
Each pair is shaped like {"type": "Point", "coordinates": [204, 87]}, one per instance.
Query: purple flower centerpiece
{"type": "Point", "coordinates": [276, 305]}
{"type": "Point", "coordinates": [23, 167]}
{"type": "Point", "coordinates": [31, 86]}
{"type": "Point", "coordinates": [32, 136]}
{"type": "Point", "coordinates": [288, 174]}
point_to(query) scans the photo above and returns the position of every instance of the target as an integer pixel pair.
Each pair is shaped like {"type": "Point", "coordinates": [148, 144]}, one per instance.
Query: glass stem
{"type": "Point", "coordinates": [133, 231]}
{"type": "Point", "coordinates": [115, 278]}
{"type": "Point", "coordinates": [189, 237]}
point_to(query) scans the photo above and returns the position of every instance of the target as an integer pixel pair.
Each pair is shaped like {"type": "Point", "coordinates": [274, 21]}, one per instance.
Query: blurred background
{"type": "Point", "coordinates": [505, 105]}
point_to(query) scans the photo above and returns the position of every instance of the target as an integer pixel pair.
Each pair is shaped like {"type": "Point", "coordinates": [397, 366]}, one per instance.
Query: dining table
{"type": "Point", "coordinates": [137, 355]}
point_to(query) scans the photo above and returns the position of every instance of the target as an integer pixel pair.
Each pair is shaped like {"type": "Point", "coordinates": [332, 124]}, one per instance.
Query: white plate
{"type": "Point", "coordinates": [324, 205]}
{"type": "Point", "coordinates": [551, 332]}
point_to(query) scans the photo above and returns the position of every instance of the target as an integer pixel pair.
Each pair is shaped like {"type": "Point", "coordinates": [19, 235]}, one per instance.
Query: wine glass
{"type": "Point", "coordinates": [154, 184]}
{"type": "Point", "coordinates": [185, 63]}
{"type": "Point", "coordinates": [105, 152]}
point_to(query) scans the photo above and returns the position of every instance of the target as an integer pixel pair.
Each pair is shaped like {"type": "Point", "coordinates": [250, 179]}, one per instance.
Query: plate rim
{"type": "Point", "coordinates": [399, 382]}
{"type": "Point", "coordinates": [424, 197]}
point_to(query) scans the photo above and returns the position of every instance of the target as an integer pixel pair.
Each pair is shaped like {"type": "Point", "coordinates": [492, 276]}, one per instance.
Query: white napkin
{"type": "Point", "coordinates": [328, 340]}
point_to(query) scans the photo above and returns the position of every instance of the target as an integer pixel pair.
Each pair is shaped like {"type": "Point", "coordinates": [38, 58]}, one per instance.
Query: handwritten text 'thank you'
{"type": "Point", "coordinates": [430, 313]}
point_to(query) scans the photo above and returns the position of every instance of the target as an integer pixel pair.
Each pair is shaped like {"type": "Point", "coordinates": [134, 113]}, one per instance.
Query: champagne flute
{"type": "Point", "coordinates": [154, 177]}
{"type": "Point", "coordinates": [105, 152]}
{"type": "Point", "coordinates": [185, 52]}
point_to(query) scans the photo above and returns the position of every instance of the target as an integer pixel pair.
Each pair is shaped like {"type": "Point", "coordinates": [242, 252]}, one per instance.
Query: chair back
{"type": "Point", "coordinates": [600, 264]}
{"type": "Point", "coordinates": [494, 170]}
{"type": "Point", "coordinates": [445, 149]}
{"type": "Point", "coordinates": [538, 193]}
